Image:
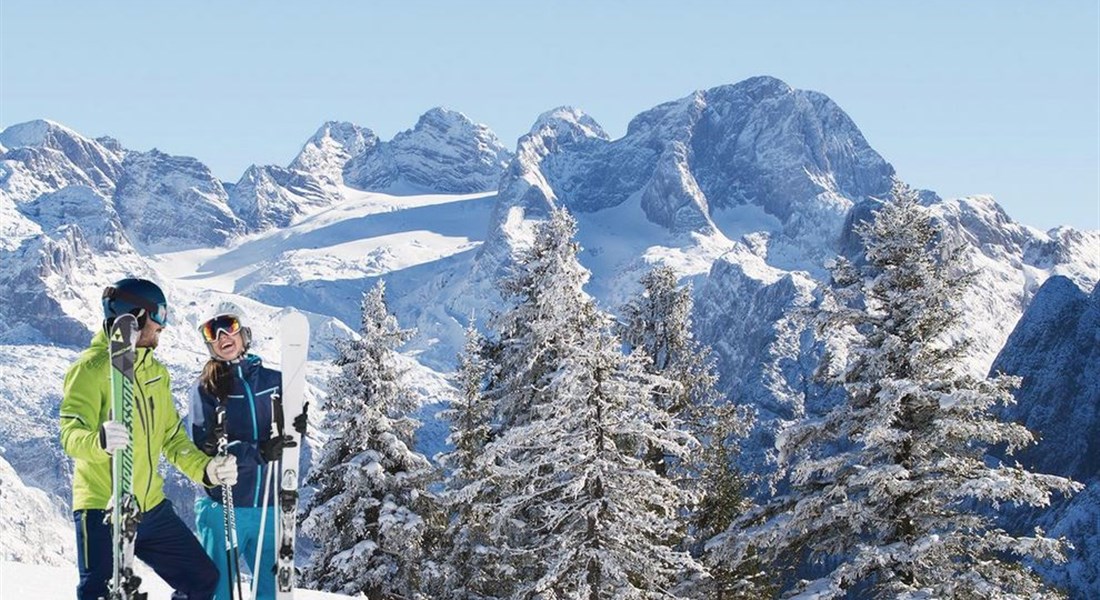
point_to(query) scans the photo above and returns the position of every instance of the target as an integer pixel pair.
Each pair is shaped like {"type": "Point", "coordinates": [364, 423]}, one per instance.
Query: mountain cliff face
{"type": "Point", "coordinates": [1055, 349]}
{"type": "Point", "coordinates": [793, 154]}
{"type": "Point", "coordinates": [444, 153]}
{"type": "Point", "coordinates": [327, 153]}
{"type": "Point", "coordinates": [270, 196]}
{"type": "Point", "coordinates": [49, 156]}
{"type": "Point", "coordinates": [42, 157]}
{"type": "Point", "coordinates": [173, 203]}
{"type": "Point", "coordinates": [1010, 262]}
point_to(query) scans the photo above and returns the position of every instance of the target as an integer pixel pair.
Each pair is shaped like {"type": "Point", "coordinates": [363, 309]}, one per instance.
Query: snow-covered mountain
{"type": "Point", "coordinates": [698, 162]}
{"type": "Point", "coordinates": [445, 153]}
{"type": "Point", "coordinates": [269, 196]}
{"type": "Point", "coordinates": [327, 153]}
{"type": "Point", "coordinates": [41, 157]}
{"type": "Point", "coordinates": [1055, 349]}
{"type": "Point", "coordinates": [755, 173]}
{"type": "Point", "coordinates": [156, 193]}
{"type": "Point", "coordinates": [746, 190]}
{"type": "Point", "coordinates": [46, 156]}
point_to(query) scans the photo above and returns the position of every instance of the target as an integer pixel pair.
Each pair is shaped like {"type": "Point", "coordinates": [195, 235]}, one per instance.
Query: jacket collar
{"type": "Point", "coordinates": [141, 355]}
{"type": "Point", "coordinates": [248, 363]}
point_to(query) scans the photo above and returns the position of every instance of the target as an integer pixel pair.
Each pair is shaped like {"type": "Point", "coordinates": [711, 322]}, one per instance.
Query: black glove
{"type": "Point", "coordinates": [302, 420]}
{"type": "Point", "coordinates": [272, 450]}
{"type": "Point", "coordinates": [209, 446]}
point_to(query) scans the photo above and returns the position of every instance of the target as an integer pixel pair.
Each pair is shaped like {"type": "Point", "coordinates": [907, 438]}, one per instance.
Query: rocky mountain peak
{"type": "Point", "coordinates": [44, 156]}
{"type": "Point", "coordinates": [445, 152]}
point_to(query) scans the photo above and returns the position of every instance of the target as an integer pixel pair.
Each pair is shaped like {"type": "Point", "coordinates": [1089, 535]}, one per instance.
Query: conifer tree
{"type": "Point", "coordinates": [578, 513]}
{"type": "Point", "coordinates": [469, 571]}
{"type": "Point", "coordinates": [658, 324]}
{"type": "Point", "coordinates": [891, 491]}
{"type": "Point", "coordinates": [367, 517]}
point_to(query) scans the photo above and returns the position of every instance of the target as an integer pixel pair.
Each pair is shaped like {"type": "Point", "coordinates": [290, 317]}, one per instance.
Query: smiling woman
{"type": "Point", "coordinates": [232, 412]}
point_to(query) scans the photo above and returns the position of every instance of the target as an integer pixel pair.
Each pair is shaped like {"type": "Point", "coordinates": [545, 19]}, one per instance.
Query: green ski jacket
{"type": "Point", "coordinates": [157, 428]}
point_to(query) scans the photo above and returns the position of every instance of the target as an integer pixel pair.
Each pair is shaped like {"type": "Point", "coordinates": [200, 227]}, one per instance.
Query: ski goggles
{"type": "Point", "coordinates": [227, 324]}
{"type": "Point", "coordinates": [160, 315]}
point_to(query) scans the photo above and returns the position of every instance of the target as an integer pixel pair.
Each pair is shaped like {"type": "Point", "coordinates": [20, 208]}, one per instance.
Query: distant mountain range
{"type": "Point", "coordinates": [745, 189]}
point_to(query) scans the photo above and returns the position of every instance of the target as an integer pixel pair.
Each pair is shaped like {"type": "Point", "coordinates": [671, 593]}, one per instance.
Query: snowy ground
{"type": "Point", "coordinates": [368, 234]}
{"type": "Point", "coordinates": [20, 581]}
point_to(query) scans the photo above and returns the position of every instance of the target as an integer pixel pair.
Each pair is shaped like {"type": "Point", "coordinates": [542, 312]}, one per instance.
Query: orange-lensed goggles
{"type": "Point", "coordinates": [226, 324]}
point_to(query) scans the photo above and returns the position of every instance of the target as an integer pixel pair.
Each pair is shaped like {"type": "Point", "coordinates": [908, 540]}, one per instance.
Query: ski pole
{"type": "Point", "coordinates": [231, 557]}
{"type": "Point", "coordinates": [268, 478]}
{"type": "Point", "coordinates": [229, 521]}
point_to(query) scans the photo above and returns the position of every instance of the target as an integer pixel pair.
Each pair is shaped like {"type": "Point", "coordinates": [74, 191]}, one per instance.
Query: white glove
{"type": "Point", "coordinates": [113, 436]}
{"type": "Point", "coordinates": [222, 470]}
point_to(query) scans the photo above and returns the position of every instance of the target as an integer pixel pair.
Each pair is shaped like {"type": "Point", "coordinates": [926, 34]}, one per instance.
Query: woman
{"type": "Point", "coordinates": [238, 382]}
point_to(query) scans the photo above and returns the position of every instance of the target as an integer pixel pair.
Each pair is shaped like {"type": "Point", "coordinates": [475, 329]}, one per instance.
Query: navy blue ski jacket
{"type": "Point", "coordinates": [248, 423]}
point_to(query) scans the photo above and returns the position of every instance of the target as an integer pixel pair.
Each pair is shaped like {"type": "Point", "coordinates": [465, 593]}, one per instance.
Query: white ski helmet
{"type": "Point", "coordinates": [232, 313]}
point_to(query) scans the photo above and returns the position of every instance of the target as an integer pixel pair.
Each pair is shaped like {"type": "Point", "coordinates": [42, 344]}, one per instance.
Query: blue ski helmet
{"type": "Point", "coordinates": [139, 297]}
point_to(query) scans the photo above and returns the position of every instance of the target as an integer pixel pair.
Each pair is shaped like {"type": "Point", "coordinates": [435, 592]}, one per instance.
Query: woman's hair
{"type": "Point", "coordinates": [216, 379]}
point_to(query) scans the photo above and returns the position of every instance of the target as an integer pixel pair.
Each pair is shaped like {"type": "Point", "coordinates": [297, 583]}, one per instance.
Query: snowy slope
{"type": "Point", "coordinates": [325, 261]}
{"type": "Point", "coordinates": [21, 581]}
{"type": "Point", "coordinates": [35, 526]}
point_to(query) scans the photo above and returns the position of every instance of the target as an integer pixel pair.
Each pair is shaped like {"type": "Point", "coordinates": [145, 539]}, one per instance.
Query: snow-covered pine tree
{"type": "Point", "coordinates": [470, 417]}
{"type": "Point", "coordinates": [367, 517]}
{"type": "Point", "coordinates": [658, 324]}
{"type": "Point", "coordinates": [891, 491]}
{"type": "Point", "coordinates": [469, 572]}
{"type": "Point", "coordinates": [723, 498]}
{"type": "Point", "coordinates": [578, 513]}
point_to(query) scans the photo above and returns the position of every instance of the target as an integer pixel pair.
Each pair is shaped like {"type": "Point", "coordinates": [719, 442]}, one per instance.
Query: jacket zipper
{"type": "Point", "coordinates": [255, 431]}
{"type": "Point", "coordinates": [148, 426]}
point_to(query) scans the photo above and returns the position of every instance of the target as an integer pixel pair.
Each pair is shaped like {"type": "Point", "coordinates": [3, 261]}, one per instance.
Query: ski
{"type": "Point", "coordinates": [125, 513]}
{"type": "Point", "coordinates": [295, 347]}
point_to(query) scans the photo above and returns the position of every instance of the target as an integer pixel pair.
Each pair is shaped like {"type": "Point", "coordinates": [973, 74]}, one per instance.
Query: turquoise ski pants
{"type": "Point", "coordinates": [210, 524]}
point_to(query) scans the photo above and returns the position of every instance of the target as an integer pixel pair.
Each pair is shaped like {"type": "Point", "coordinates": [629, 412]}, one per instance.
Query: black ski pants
{"type": "Point", "coordinates": [163, 542]}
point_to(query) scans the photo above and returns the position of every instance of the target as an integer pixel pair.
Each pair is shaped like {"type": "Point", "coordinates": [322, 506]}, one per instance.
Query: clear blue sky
{"type": "Point", "coordinates": [962, 97]}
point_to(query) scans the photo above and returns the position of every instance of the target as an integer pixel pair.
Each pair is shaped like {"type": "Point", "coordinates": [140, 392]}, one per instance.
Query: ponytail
{"type": "Point", "coordinates": [216, 379]}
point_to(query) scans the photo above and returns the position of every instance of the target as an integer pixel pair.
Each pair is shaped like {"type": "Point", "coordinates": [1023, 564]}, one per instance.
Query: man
{"type": "Point", "coordinates": [163, 542]}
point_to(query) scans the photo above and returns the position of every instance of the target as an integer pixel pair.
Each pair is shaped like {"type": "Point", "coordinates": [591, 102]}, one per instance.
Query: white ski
{"type": "Point", "coordinates": [295, 332]}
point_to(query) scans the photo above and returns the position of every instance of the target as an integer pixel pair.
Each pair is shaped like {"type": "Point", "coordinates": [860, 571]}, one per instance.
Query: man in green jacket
{"type": "Point", "coordinates": [163, 541]}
